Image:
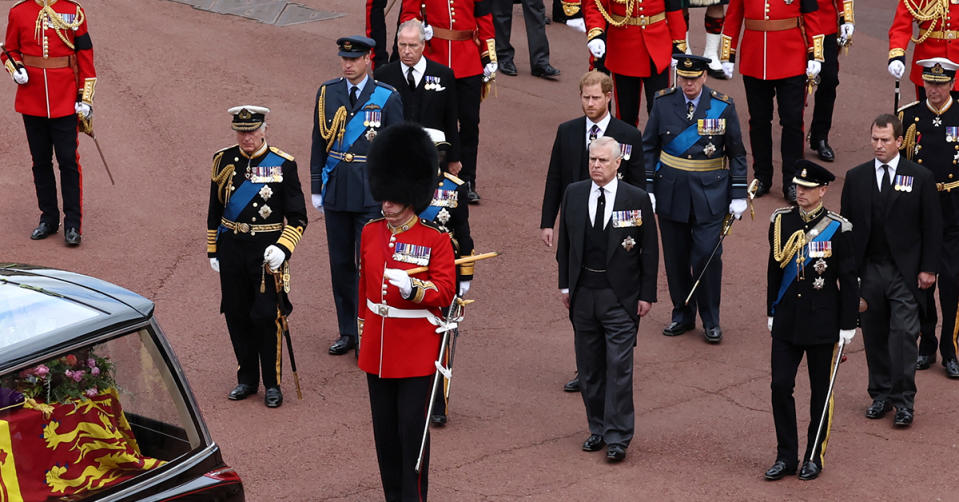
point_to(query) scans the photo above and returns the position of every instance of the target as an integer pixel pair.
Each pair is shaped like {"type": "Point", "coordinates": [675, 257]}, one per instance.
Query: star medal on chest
{"type": "Point", "coordinates": [818, 283]}
{"type": "Point", "coordinates": [709, 149]}
{"type": "Point", "coordinates": [266, 192]}
{"type": "Point", "coordinates": [820, 266]}
{"type": "Point", "coordinates": [952, 134]}
{"type": "Point", "coordinates": [937, 121]}
{"type": "Point", "coordinates": [629, 243]}
{"type": "Point", "coordinates": [443, 216]}
{"type": "Point", "coordinates": [265, 211]}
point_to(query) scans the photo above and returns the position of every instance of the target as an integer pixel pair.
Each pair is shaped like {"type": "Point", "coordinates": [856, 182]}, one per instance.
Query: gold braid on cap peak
{"type": "Point", "coordinates": [337, 125]}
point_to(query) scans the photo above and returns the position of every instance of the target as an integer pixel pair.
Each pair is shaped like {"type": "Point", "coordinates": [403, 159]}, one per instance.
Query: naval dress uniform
{"type": "Point", "coordinates": [49, 39]}
{"type": "Point", "coordinates": [936, 36]}
{"type": "Point", "coordinates": [696, 165]}
{"type": "Point", "coordinates": [809, 303]}
{"type": "Point", "coordinates": [255, 201]}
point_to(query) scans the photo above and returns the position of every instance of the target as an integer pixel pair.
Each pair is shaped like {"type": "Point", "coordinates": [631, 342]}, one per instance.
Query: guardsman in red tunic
{"type": "Point", "coordinates": [48, 52]}
{"type": "Point", "coordinates": [399, 313]}
{"type": "Point", "coordinates": [460, 35]}
{"type": "Point", "coordinates": [836, 18]}
{"type": "Point", "coordinates": [937, 37]}
{"type": "Point", "coordinates": [782, 47]}
{"type": "Point", "coordinates": [640, 38]}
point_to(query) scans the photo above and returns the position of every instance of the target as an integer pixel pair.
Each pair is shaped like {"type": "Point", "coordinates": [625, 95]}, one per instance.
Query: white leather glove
{"type": "Point", "coordinates": [846, 335]}
{"type": "Point", "coordinates": [737, 207]}
{"type": "Point", "coordinates": [596, 47]}
{"type": "Point", "coordinates": [577, 24]}
{"type": "Point", "coordinates": [215, 265]}
{"type": "Point", "coordinates": [273, 256]}
{"type": "Point", "coordinates": [464, 288]}
{"type": "Point", "coordinates": [813, 68]}
{"type": "Point", "coordinates": [728, 69]}
{"type": "Point", "coordinates": [317, 201]}
{"type": "Point", "coordinates": [428, 30]}
{"type": "Point", "coordinates": [400, 279]}
{"type": "Point", "coordinates": [769, 323]}
{"type": "Point", "coordinates": [672, 63]}
{"type": "Point", "coordinates": [846, 30]}
{"type": "Point", "coordinates": [82, 109]}
{"type": "Point", "coordinates": [20, 76]}
{"type": "Point", "coordinates": [896, 69]}
{"type": "Point", "coordinates": [652, 200]}
{"type": "Point", "coordinates": [490, 69]}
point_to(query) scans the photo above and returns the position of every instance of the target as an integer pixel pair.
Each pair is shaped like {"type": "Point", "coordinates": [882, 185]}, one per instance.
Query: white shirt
{"type": "Point", "coordinates": [419, 69]}
{"type": "Point", "coordinates": [893, 164]}
{"type": "Point", "coordinates": [360, 86]}
{"type": "Point", "coordinates": [602, 124]}
{"type": "Point", "coordinates": [610, 193]}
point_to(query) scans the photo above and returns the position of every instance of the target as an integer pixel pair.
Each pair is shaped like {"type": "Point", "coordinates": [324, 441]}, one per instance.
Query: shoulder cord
{"type": "Point", "coordinates": [933, 10]}
{"type": "Point", "coordinates": [337, 125]}
{"type": "Point", "coordinates": [794, 245]}
{"type": "Point", "coordinates": [59, 24]}
{"type": "Point", "coordinates": [629, 13]}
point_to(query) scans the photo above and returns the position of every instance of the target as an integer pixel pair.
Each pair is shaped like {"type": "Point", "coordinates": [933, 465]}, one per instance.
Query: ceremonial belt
{"type": "Point", "coordinates": [946, 187]}
{"type": "Point", "coordinates": [454, 35]}
{"type": "Point", "coordinates": [54, 62]}
{"type": "Point", "coordinates": [943, 34]}
{"type": "Point", "coordinates": [791, 271]}
{"type": "Point", "coordinates": [247, 228]}
{"type": "Point", "coordinates": [347, 157]}
{"type": "Point", "coordinates": [387, 311]}
{"type": "Point", "coordinates": [772, 24]}
{"type": "Point", "coordinates": [638, 20]}
{"type": "Point", "coordinates": [692, 164]}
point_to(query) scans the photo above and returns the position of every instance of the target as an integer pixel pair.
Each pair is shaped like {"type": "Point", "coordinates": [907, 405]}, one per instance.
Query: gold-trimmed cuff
{"type": "Point", "coordinates": [847, 12]}
{"type": "Point", "coordinates": [211, 241]}
{"type": "Point", "coordinates": [290, 237]}
{"type": "Point", "coordinates": [89, 85]}
{"type": "Point", "coordinates": [817, 47]}
{"type": "Point", "coordinates": [680, 44]}
{"type": "Point", "coordinates": [8, 64]}
{"type": "Point", "coordinates": [726, 48]}
{"type": "Point", "coordinates": [467, 268]}
{"type": "Point", "coordinates": [593, 33]}
{"type": "Point", "coordinates": [490, 49]}
{"type": "Point", "coordinates": [359, 326]}
{"type": "Point", "coordinates": [419, 289]}
{"type": "Point", "coordinates": [897, 53]}
{"type": "Point", "coordinates": [570, 8]}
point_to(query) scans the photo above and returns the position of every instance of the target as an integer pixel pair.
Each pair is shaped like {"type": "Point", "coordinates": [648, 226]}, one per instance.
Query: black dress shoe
{"type": "Point", "coordinates": [779, 470]}
{"type": "Point", "coordinates": [903, 417]}
{"type": "Point", "coordinates": [822, 147]}
{"type": "Point", "coordinates": [71, 236]}
{"type": "Point", "coordinates": [473, 197]}
{"type": "Point", "coordinates": [615, 453]}
{"type": "Point", "coordinates": [508, 68]}
{"type": "Point", "coordinates": [717, 74]}
{"type": "Point", "coordinates": [809, 471]}
{"type": "Point", "coordinates": [952, 369]}
{"type": "Point", "coordinates": [342, 345]}
{"type": "Point", "coordinates": [762, 188]}
{"type": "Point", "coordinates": [593, 443]}
{"type": "Point", "coordinates": [42, 231]}
{"type": "Point", "coordinates": [572, 385]}
{"type": "Point", "coordinates": [789, 193]}
{"type": "Point", "coordinates": [924, 362]}
{"type": "Point", "coordinates": [878, 409]}
{"type": "Point", "coordinates": [438, 419]}
{"type": "Point", "coordinates": [241, 391]}
{"type": "Point", "coordinates": [547, 72]}
{"type": "Point", "coordinates": [677, 328]}
{"type": "Point", "coordinates": [274, 398]}
{"type": "Point", "coordinates": [714, 334]}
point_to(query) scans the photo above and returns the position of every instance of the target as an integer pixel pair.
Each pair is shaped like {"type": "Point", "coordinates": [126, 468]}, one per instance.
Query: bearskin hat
{"type": "Point", "coordinates": [402, 164]}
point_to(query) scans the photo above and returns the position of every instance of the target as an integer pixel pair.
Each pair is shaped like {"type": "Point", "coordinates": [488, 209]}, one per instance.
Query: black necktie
{"type": "Point", "coordinates": [600, 210]}
{"type": "Point", "coordinates": [690, 110]}
{"type": "Point", "coordinates": [886, 181]}
{"type": "Point", "coordinates": [353, 92]}
{"type": "Point", "coordinates": [410, 80]}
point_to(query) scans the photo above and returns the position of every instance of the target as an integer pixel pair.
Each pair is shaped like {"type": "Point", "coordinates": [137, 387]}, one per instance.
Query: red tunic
{"type": "Point", "coordinates": [773, 54]}
{"type": "Point", "coordinates": [942, 43]}
{"type": "Point", "coordinates": [50, 92]}
{"type": "Point", "coordinates": [630, 47]}
{"type": "Point", "coordinates": [402, 347]}
{"type": "Point", "coordinates": [463, 56]}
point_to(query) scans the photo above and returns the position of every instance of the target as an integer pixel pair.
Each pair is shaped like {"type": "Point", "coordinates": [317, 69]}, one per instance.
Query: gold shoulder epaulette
{"type": "Point", "coordinates": [432, 225]}
{"type": "Point", "coordinates": [281, 153]}
{"type": "Point", "coordinates": [374, 220]}
{"type": "Point", "coordinates": [17, 3]}
{"type": "Point", "coordinates": [453, 178]}
{"type": "Point", "coordinates": [665, 92]}
{"type": "Point", "coordinates": [777, 212]}
{"type": "Point", "coordinates": [720, 96]}
{"type": "Point", "coordinates": [846, 224]}
{"type": "Point", "coordinates": [904, 107]}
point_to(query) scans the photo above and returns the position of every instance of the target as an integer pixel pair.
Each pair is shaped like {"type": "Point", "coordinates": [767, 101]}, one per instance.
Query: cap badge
{"type": "Point", "coordinates": [245, 114]}
{"type": "Point", "coordinates": [803, 174]}
{"type": "Point", "coordinates": [688, 63]}
{"type": "Point", "coordinates": [937, 70]}
{"type": "Point", "coordinates": [347, 46]}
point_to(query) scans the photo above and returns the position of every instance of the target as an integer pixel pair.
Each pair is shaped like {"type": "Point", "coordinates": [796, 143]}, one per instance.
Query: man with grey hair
{"type": "Point", "coordinates": [427, 88]}
{"type": "Point", "coordinates": [607, 278]}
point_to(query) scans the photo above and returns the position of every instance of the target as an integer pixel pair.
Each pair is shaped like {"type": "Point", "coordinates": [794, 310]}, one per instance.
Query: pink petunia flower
{"type": "Point", "coordinates": [41, 371]}
{"type": "Point", "coordinates": [91, 362]}
{"type": "Point", "coordinates": [78, 375]}
{"type": "Point", "coordinates": [94, 371]}
{"type": "Point", "coordinates": [91, 392]}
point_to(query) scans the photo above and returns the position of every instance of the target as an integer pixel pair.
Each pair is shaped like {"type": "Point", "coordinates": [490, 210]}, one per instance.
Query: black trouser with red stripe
{"type": "Point", "coordinates": [399, 416]}
{"type": "Point", "coordinates": [468, 94]}
{"type": "Point", "coordinates": [46, 137]}
{"type": "Point", "coordinates": [628, 89]}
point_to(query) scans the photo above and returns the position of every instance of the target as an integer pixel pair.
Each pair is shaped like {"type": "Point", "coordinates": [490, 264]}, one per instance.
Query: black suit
{"type": "Point", "coordinates": [435, 108]}
{"type": "Point", "coordinates": [604, 316]}
{"type": "Point", "coordinates": [896, 235]}
{"type": "Point", "coordinates": [568, 161]}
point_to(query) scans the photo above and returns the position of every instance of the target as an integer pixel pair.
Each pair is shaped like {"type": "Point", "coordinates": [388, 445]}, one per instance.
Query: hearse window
{"type": "Point", "coordinates": [25, 313]}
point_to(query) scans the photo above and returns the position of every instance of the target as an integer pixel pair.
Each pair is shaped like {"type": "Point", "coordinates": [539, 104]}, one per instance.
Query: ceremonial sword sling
{"type": "Point", "coordinates": [281, 280]}
{"type": "Point", "coordinates": [727, 226]}
{"type": "Point", "coordinates": [895, 98]}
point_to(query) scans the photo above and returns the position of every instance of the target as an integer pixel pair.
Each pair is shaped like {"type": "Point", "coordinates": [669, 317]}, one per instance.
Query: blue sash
{"type": "Point", "coordinates": [354, 129]}
{"type": "Point", "coordinates": [690, 135]}
{"type": "Point", "coordinates": [242, 196]}
{"type": "Point", "coordinates": [791, 271]}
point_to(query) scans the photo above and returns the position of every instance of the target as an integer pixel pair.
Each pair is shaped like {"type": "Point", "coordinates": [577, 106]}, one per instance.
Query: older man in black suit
{"type": "Point", "coordinates": [608, 258]}
{"type": "Point", "coordinates": [897, 237]}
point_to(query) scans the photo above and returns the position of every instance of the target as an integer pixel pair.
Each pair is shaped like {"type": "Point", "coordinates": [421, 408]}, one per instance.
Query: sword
{"type": "Point", "coordinates": [99, 150]}
{"type": "Point", "coordinates": [282, 324]}
{"type": "Point", "coordinates": [10, 56]}
{"type": "Point", "coordinates": [458, 261]}
{"type": "Point", "coordinates": [825, 409]}
{"type": "Point", "coordinates": [896, 98]}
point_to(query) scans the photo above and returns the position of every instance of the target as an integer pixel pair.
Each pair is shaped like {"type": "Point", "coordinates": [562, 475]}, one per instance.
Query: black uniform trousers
{"type": "Point", "coordinates": [468, 91]}
{"type": "Point", "coordinates": [890, 327]}
{"type": "Point", "coordinates": [46, 137]}
{"type": "Point", "coordinates": [790, 95]}
{"type": "Point", "coordinates": [826, 91]}
{"type": "Point", "coordinates": [686, 247]}
{"type": "Point", "coordinates": [534, 13]}
{"type": "Point", "coordinates": [399, 407]}
{"type": "Point", "coordinates": [785, 361]}
{"type": "Point", "coordinates": [250, 314]}
{"type": "Point", "coordinates": [376, 10]}
{"type": "Point", "coordinates": [627, 93]}
{"type": "Point", "coordinates": [343, 230]}
{"type": "Point", "coordinates": [605, 336]}
{"type": "Point", "coordinates": [948, 284]}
